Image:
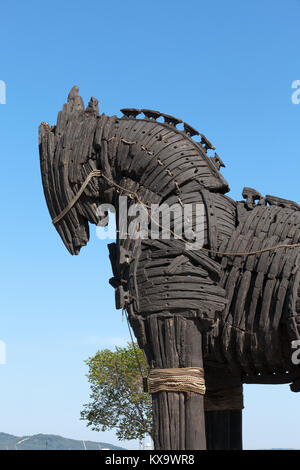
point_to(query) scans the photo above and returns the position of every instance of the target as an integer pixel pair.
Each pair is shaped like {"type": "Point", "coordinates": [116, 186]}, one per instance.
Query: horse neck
{"type": "Point", "coordinates": [155, 162]}
{"type": "Point", "coordinates": [154, 156]}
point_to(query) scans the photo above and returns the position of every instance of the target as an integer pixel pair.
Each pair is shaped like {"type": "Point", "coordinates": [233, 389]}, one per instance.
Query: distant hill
{"type": "Point", "coordinates": [49, 442]}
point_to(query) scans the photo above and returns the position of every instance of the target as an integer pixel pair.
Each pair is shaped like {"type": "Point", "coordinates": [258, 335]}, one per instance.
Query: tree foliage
{"type": "Point", "coordinates": [117, 397]}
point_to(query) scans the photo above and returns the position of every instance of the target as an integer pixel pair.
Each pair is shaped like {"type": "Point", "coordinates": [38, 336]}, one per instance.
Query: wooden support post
{"type": "Point", "coordinates": [224, 430]}
{"type": "Point", "coordinates": [179, 421]}
{"type": "Point", "coordinates": [223, 411]}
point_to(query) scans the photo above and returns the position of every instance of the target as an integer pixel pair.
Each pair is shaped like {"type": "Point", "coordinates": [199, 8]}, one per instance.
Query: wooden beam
{"type": "Point", "coordinates": [179, 422]}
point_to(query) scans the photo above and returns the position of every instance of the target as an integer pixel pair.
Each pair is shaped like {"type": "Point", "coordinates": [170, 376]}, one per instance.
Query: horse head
{"type": "Point", "coordinates": [70, 165]}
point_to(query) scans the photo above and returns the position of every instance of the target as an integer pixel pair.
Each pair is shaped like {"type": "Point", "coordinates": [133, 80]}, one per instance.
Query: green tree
{"type": "Point", "coordinates": [117, 397]}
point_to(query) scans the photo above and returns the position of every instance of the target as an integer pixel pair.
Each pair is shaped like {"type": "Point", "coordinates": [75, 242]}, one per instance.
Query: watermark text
{"type": "Point", "coordinates": [164, 222]}
{"type": "Point", "coordinates": [296, 354]}
{"type": "Point", "coordinates": [2, 353]}
{"type": "Point", "coordinates": [2, 92]}
{"type": "Point", "coordinates": [296, 93]}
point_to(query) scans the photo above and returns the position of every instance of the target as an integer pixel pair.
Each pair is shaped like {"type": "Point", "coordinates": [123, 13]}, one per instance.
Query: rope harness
{"type": "Point", "coordinates": [134, 195]}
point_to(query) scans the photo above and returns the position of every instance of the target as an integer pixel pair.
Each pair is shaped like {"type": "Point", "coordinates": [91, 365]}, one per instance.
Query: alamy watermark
{"type": "Point", "coordinates": [296, 354]}
{"type": "Point", "coordinates": [2, 353]}
{"type": "Point", "coordinates": [2, 92]}
{"type": "Point", "coordinates": [296, 93]}
{"type": "Point", "coordinates": [136, 220]}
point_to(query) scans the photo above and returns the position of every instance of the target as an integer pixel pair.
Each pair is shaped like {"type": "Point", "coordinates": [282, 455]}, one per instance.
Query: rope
{"type": "Point", "coordinates": [77, 196]}
{"type": "Point", "coordinates": [222, 253]}
{"type": "Point", "coordinates": [185, 379]}
{"type": "Point", "coordinates": [134, 195]}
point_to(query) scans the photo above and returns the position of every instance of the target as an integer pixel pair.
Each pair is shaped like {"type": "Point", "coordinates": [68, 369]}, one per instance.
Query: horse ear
{"type": "Point", "coordinates": [75, 102]}
{"type": "Point", "coordinates": [93, 106]}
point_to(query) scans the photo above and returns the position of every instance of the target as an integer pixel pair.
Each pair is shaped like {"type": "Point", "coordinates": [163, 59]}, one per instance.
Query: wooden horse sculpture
{"type": "Point", "coordinates": [210, 318]}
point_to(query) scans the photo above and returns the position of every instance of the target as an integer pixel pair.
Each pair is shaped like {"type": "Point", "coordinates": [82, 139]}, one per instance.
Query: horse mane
{"type": "Point", "coordinates": [188, 132]}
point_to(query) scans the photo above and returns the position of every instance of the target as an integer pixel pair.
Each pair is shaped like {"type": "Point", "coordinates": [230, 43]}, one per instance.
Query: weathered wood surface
{"type": "Point", "coordinates": [176, 342]}
{"type": "Point", "coordinates": [224, 430]}
{"type": "Point", "coordinates": [246, 308]}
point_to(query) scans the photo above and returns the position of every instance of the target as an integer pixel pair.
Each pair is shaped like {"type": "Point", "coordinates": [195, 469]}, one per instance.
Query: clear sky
{"type": "Point", "coordinates": [226, 68]}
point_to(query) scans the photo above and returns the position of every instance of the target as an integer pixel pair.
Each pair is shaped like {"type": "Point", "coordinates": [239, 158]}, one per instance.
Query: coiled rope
{"type": "Point", "coordinates": [183, 379]}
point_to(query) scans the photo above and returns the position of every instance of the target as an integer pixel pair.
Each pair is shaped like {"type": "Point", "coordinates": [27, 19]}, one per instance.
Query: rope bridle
{"type": "Point", "coordinates": [76, 197]}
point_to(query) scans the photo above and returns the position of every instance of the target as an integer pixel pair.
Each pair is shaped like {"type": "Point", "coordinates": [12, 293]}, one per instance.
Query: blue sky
{"type": "Point", "coordinates": [227, 69]}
